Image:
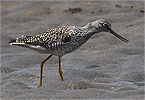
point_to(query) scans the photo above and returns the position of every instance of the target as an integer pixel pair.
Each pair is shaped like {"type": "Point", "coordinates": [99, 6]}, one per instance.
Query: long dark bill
{"type": "Point", "coordinates": [117, 35]}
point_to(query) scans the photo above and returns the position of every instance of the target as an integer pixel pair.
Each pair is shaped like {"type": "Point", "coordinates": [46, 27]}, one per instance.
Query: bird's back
{"type": "Point", "coordinates": [51, 41]}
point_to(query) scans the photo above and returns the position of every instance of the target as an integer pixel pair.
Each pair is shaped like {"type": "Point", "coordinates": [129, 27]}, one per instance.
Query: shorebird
{"type": "Point", "coordinates": [63, 40]}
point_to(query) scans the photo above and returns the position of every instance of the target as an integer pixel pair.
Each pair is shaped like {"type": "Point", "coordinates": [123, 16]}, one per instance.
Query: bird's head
{"type": "Point", "coordinates": [103, 25]}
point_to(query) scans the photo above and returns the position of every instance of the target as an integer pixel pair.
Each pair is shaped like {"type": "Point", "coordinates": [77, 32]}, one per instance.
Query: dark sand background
{"type": "Point", "coordinates": [103, 68]}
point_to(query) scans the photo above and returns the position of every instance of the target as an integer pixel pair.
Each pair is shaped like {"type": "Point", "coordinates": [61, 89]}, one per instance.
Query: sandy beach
{"type": "Point", "coordinates": [103, 68]}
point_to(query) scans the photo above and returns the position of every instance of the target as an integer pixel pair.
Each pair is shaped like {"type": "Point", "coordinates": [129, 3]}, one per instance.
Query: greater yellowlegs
{"type": "Point", "coordinates": [63, 40]}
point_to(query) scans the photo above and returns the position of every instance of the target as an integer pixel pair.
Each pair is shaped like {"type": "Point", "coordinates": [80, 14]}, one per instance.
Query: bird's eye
{"type": "Point", "coordinates": [104, 24]}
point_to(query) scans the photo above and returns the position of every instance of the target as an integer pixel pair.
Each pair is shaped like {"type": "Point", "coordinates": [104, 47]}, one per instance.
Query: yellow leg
{"type": "Point", "coordinates": [60, 71]}
{"type": "Point", "coordinates": [41, 74]}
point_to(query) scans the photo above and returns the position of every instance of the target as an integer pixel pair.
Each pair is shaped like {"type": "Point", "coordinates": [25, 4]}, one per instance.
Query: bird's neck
{"type": "Point", "coordinates": [90, 30]}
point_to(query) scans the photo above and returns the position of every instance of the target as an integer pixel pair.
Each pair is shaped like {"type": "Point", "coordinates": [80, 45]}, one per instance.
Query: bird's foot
{"type": "Point", "coordinates": [39, 86]}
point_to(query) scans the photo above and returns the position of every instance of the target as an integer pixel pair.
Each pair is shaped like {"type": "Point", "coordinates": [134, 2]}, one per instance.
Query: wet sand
{"type": "Point", "coordinates": [103, 68]}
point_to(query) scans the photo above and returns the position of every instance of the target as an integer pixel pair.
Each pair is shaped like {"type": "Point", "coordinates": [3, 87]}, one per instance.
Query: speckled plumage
{"type": "Point", "coordinates": [63, 40]}
{"type": "Point", "coordinates": [57, 41]}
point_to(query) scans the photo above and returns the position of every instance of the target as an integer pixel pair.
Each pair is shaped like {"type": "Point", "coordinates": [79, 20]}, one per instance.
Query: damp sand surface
{"type": "Point", "coordinates": [103, 68]}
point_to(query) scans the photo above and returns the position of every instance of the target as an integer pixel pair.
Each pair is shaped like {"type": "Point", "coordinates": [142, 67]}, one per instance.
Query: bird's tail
{"type": "Point", "coordinates": [21, 41]}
